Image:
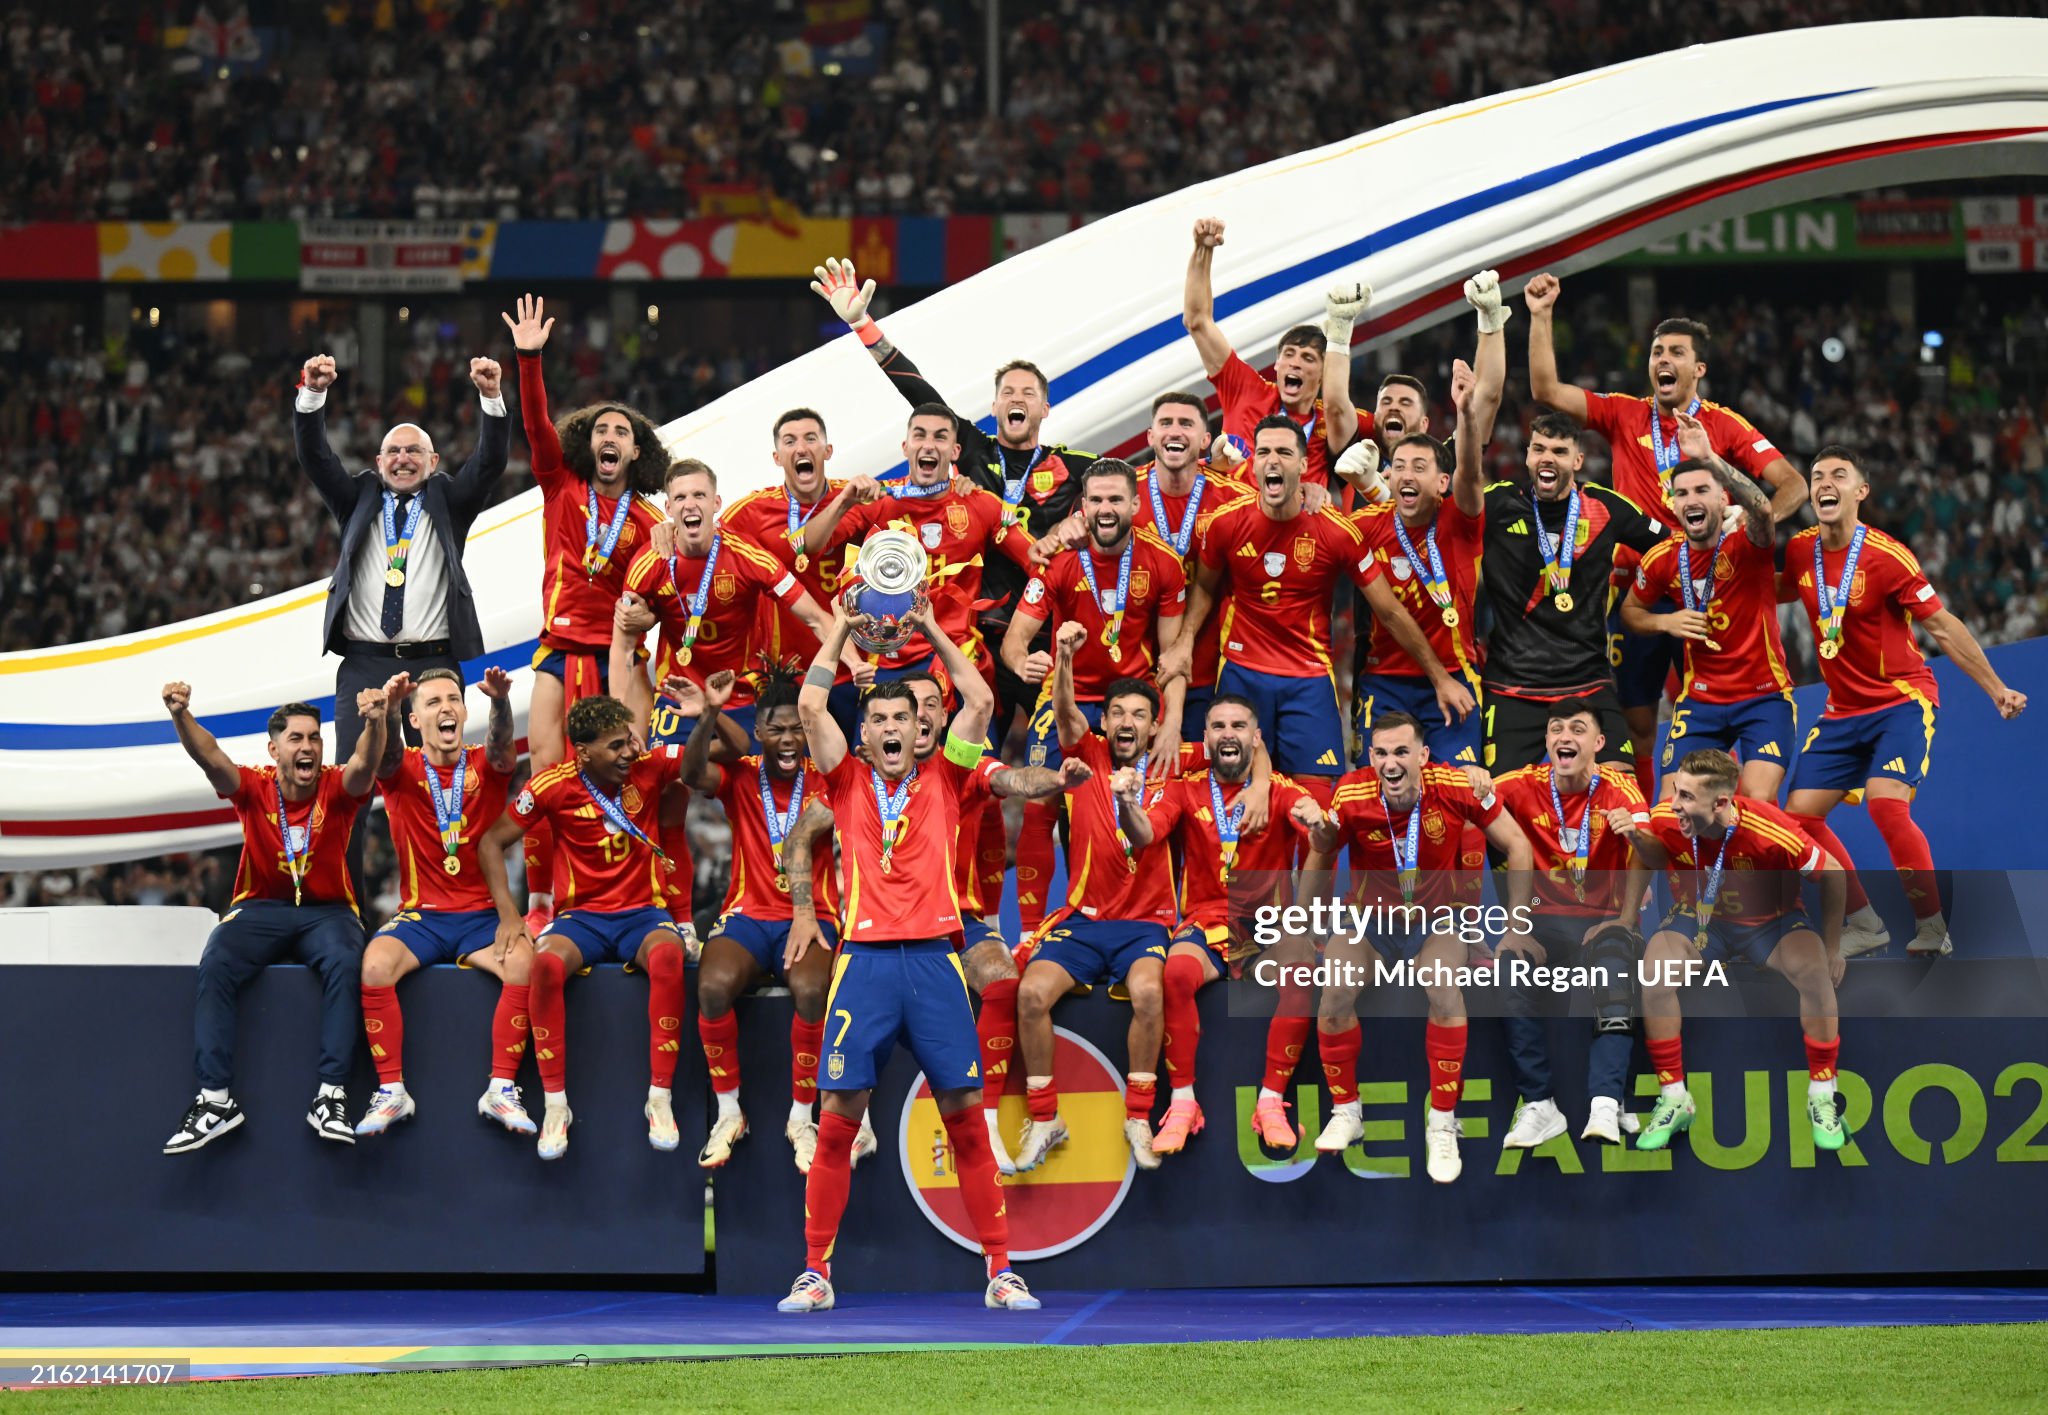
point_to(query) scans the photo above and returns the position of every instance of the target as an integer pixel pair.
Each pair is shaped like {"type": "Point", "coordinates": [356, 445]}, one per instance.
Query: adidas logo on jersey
{"type": "Point", "coordinates": [1247, 549]}
{"type": "Point", "coordinates": [1897, 764]}
{"type": "Point", "coordinates": [1518, 528]}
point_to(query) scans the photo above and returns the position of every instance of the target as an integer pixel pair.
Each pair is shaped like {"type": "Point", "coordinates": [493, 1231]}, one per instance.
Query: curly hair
{"type": "Point", "coordinates": [647, 473]}
{"type": "Point", "coordinates": [776, 684]}
{"type": "Point", "coordinates": [592, 718]}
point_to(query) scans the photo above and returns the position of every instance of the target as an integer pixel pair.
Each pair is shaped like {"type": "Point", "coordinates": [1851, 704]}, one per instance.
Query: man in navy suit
{"type": "Point", "coordinates": [399, 600]}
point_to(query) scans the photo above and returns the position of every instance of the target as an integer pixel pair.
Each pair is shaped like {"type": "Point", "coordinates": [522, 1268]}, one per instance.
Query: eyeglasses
{"type": "Point", "coordinates": [409, 450]}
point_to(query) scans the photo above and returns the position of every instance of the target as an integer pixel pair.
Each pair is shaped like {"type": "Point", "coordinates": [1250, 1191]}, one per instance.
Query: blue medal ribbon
{"type": "Point", "coordinates": [1582, 848]}
{"type": "Point", "coordinates": [1130, 854]}
{"type": "Point", "coordinates": [1557, 557]}
{"type": "Point", "coordinates": [397, 543]}
{"type": "Point", "coordinates": [1438, 584]}
{"type": "Point", "coordinates": [447, 807]}
{"type": "Point", "coordinates": [908, 492]}
{"type": "Point", "coordinates": [597, 551]}
{"type": "Point", "coordinates": [1227, 823]}
{"type": "Point", "coordinates": [616, 814]}
{"type": "Point", "coordinates": [296, 862]}
{"type": "Point", "coordinates": [1115, 614]}
{"type": "Point", "coordinates": [1834, 604]}
{"type": "Point", "coordinates": [1013, 487]}
{"type": "Point", "coordinates": [890, 805]}
{"type": "Point", "coordinates": [1685, 585]}
{"type": "Point", "coordinates": [695, 603]}
{"type": "Point", "coordinates": [1181, 539]}
{"type": "Point", "coordinates": [1703, 904]}
{"type": "Point", "coordinates": [1667, 457]}
{"type": "Point", "coordinates": [1405, 866]}
{"type": "Point", "coordinates": [779, 824]}
{"type": "Point", "coordinates": [796, 526]}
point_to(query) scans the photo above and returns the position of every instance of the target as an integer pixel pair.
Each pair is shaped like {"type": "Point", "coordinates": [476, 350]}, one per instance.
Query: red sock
{"type": "Point", "coordinates": [1139, 1097]}
{"type": "Point", "coordinates": [540, 858]}
{"type": "Point", "coordinates": [1646, 773]}
{"type": "Point", "coordinates": [825, 1188]}
{"type": "Point", "coordinates": [664, 1012]}
{"type": "Point", "coordinates": [1340, 1062]}
{"type": "Point", "coordinates": [509, 1028]}
{"type": "Point", "coordinates": [993, 855]}
{"type": "Point", "coordinates": [1667, 1055]}
{"type": "Point", "coordinates": [980, 1191]}
{"type": "Point", "coordinates": [1910, 855]}
{"type": "Point", "coordinates": [1821, 1058]}
{"type": "Point", "coordinates": [1043, 1101]}
{"type": "Point", "coordinates": [384, 1025]}
{"type": "Point", "coordinates": [1183, 1030]}
{"type": "Point", "coordinates": [1285, 1038]}
{"type": "Point", "coordinates": [996, 1027]}
{"type": "Point", "coordinates": [806, 1040]}
{"type": "Point", "coordinates": [1035, 846]}
{"type": "Point", "coordinates": [1817, 827]}
{"type": "Point", "coordinates": [721, 1038]}
{"type": "Point", "coordinates": [550, 1048]}
{"type": "Point", "coordinates": [1445, 1048]}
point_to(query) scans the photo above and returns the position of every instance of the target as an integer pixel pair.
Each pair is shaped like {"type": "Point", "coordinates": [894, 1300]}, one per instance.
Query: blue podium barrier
{"type": "Point", "coordinates": [103, 1057]}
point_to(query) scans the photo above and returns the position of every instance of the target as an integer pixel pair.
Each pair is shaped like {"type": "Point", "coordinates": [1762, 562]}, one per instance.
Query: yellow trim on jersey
{"type": "Point", "coordinates": [1926, 722]}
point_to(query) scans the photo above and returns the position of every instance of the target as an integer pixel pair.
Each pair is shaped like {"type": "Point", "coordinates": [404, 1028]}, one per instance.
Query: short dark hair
{"type": "Point", "coordinates": [1694, 464]}
{"type": "Point", "coordinates": [1110, 467]}
{"type": "Point", "coordinates": [1390, 721]}
{"type": "Point", "coordinates": [797, 415]}
{"type": "Point", "coordinates": [592, 718]}
{"type": "Point", "coordinates": [1025, 366]}
{"type": "Point", "coordinates": [1405, 380]}
{"type": "Point", "coordinates": [1305, 336]}
{"type": "Point", "coordinates": [1692, 329]}
{"type": "Point", "coordinates": [1554, 425]}
{"type": "Point", "coordinates": [437, 675]}
{"type": "Point", "coordinates": [1841, 453]}
{"type": "Point", "coordinates": [892, 691]}
{"type": "Point", "coordinates": [1132, 688]}
{"type": "Point", "coordinates": [934, 410]}
{"type": "Point", "coordinates": [1280, 421]}
{"type": "Point", "coordinates": [688, 467]}
{"type": "Point", "coordinates": [289, 711]}
{"type": "Point", "coordinates": [925, 675]}
{"type": "Point", "coordinates": [1565, 708]}
{"type": "Point", "coordinates": [646, 474]}
{"type": "Point", "coordinates": [1441, 451]}
{"type": "Point", "coordinates": [1227, 700]}
{"type": "Point", "coordinates": [1711, 765]}
{"type": "Point", "coordinates": [1181, 396]}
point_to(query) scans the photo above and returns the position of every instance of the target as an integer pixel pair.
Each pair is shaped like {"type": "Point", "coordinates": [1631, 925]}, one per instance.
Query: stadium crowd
{"type": "Point", "coordinates": [371, 108]}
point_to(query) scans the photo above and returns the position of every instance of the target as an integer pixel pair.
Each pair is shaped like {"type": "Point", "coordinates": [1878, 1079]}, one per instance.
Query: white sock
{"type": "Point", "coordinates": [501, 1084]}
{"type": "Point", "coordinates": [556, 1098]}
{"type": "Point", "coordinates": [219, 1097]}
{"type": "Point", "coordinates": [1820, 1088]}
{"type": "Point", "coordinates": [328, 1088]}
{"type": "Point", "coordinates": [657, 1093]}
{"type": "Point", "coordinates": [536, 899]}
{"type": "Point", "coordinates": [728, 1103]}
{"type": "Point", "coordinates": [394, 1088]}
{"type": "Point", "coordinates": [1267, 1094]}
{"type": "Point", "coordinates": [1865, 918]}
{"type": "Point", "coordinates": [1354, 1109]}
{"type": "Point", "coordinates": [1143, 1078]}
{"type": "Point", "coordinates": [1674, 1091]}
{"type": "Point", "coordinates": [1183, 1093]}
{"type": "Point", "coordinates": [800, 1112]}
{"type": "Point", "coordinates": [1037, 1083]}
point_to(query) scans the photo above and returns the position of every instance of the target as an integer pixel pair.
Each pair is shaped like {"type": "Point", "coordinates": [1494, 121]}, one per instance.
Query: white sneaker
{"type": "Point", "coordinates": [502, 1104]}
{"type": "Point", "coordinates": [1535, 1122]}
{"type": "Point", "coordinates": [1440, 1145]}
{"type": "Point", "coordinates": [1863, 932]}
{"type": "Point", "coordinates": [387, 1108]}
{"type": "Point", "coordinates": [1346, 1128]}
{"type": "Point", "coordinates": [803, 1138]}
{"type": "Point", "coordinates": [726, 1131]}
{"type": "Point", "coordinates": [1931, 939]}
{"type": "Point", "coordinates": [812, 1292]}
{"type": "Point", "coordinates": [1041, 1138]}
{"type": "Point", "coordinates": [661, 1123]}
{"type": "Point", "coordinates": [865, 1143]}
{"type": "Point", "coordinates": [1603, 1121]}
{"type": "Point", "coordinates": [1138, 1135]}
{"type": "Point", "coordinates": [1007, 1293]}
{"type": "Point", "coordinates": [554, 1131]}
{"type": "Point", "coordinates": [996, 1146]}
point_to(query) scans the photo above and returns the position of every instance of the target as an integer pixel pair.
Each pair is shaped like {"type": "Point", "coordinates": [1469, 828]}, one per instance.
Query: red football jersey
{"type": "Point", "coordinates": [1370, 830]}
{"type": "Point", "coordinates": [579, 597]}
{"type": "Point", "coordinates": [762, 517]}
{"type": "Point", "coordinates": [1106, 879]}
{"type": "Point", "coordinates": [1158, 589]}
{"type": "Point", "coordinates": [753, 891]}
{"type": "Point", "coordinates": [1459, 541]}
{"type": "Point", "coordinates": [1768, 854]}
{"type": "Point", "coordinates": [1741, 602]}
{"type": "Point", "coordinates": [320, 825]}
{"type": "Point", "coordinates": [1184, 807]}
{"type": "Point", "coordinates": [1248, 399]}
{"type": "Point", "coordinates": [1282, 575]}
{"type": "Point", "coordinates": [423, 881]}
{"type": "Point", "coordinates": [956, 530]}
{"type": "Point", "coordinates": [743, 579]}
{"type": "Point", "coordinates": [1624, 421]}
{"type": "Point", "coordinates": [1880, 664]}
{"type": "Point", "coordinates": [1525, 795]}
{"type": "Point", "coordinates": [977, 799]}
{"type": "Point", "coordinates": [1218, 491]}
{"type": "Point", "coordinates": [916, 898]}
{"type": "Point", "coordinates": [597, 867]}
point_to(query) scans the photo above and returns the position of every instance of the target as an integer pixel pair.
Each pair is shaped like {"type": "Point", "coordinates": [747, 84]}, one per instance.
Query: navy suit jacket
{"type": "Point", "coordinates": [356, 501]}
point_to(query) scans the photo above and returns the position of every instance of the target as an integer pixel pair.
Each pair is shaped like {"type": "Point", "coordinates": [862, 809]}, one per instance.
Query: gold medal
{"type": "Point", "coordinates": [1108, 636]}
{"type": "Point", "coordinates": [781, 884]}
{"type": "Point", "coordinates": [683, 657]}
{"type": "Point", "coordinates": [803, 563]}
{"type": "Point", "coordinates": [451, 866]}
{"type": "Point", "coordinates": [888, 865]}
{"type": "Point", "coordinates": [1829, 648]}
{"type": "Point", "coordinates": [1711, 646]}
{"type": "Point", "coordinates": [1450, 616]}
{"type": "Point", "coordinates": [394, 577]}
{"type": "Point", "coordinates": [1563, 601]}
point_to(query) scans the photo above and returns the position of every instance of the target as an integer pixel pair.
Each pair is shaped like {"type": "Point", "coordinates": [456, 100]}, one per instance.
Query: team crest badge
{"type": "Point", "coordinates": [957, 520]}
{"type": "Point", "coordinates": [630, 799]}
{"type": "Point", "coordinates": [1304, 552]}
{"type": "Point", "coordinates": [1043, 481]}
{"type": "Point", "coordinates": [1856, 588]}
{"type": "Point", "coordinates": [835, 1066]}
{"type": "Point", "coordinates": [725, 587]}
{"type": "Point", "coordinates": [931, 533]}
{"type": "Point", "coordinates": [1275, 562]}
{"type": "Point", "coordinates": [1141, 583]}
{"type": "Point", "coordinates": [471, 781]}
{"type": "Point", "coordinates": [1433, 825]}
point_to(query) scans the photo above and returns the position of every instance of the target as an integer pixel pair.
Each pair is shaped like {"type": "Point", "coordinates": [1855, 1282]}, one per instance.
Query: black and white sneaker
{"type": "Point", "coordinates": [329, 1119]}
{"type": "Point", "coordinates": [203, 1124]}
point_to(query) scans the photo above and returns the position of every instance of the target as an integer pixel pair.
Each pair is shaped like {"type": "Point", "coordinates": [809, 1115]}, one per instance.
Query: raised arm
{"type": "Point", "coordinates": [397, 689]}
{"type": "Point", "coordinates": [631, 619]}
{"type": "Point", "coordinates": [696, 770]}
{"type": "Point", "coordinates": [529, 336]}
{"type": "Point", "coordinates": [359, 772]}
{"type": "Point", "coordinates": [1489, 360]}
{"type": "Point", "coordinates": [1954, 638]}
{"type": "Point", "coordinates": [309, 439]}
{"type": "Point", "coordinates": [501, 748]}
{"type": "Point", "coordinates": [1544, 384]}
{"type": "Point", "coordinates": [1756, 509]}
{"type": "Point", "coordinates": [199, 744]}
{"type": "Point", "coordinates": [1198, 298]}
{"type": "Point", "coordinates": [1342, 305]}
{"type": "Point", "coordinates": [1789, 491]}
{"type": "Point", "coordinates": [470, 490]}
{"type": "Point", "coordinates": [1067, 717]}
{"type": "Point", "coordinates": [1468, 481]}
{"type": "Point", "coordinates": [827, 742]}
{"type": "Point", "coordinates": [977, 700]}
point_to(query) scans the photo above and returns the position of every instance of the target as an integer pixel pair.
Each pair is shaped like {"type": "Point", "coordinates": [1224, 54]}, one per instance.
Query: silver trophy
{"type": "Point", "coordinates": [888, 582]}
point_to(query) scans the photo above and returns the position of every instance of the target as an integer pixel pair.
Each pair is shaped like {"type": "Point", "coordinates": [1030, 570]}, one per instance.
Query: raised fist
{"type": "Point", "coordinates": [488, 377]}
{"type": "Point", "coordinates": [1208, 232]}
{"type": "Point", "coordinates": [1069, 639]}
{"type": "Point", "coordinates": [1482, 292]}
{"type": "Point", "coordinates": [318, 373]}
{"type": "Point", "coordinates": [1541, 293]}
{"type": "Point", "coordinates": [178, 697]}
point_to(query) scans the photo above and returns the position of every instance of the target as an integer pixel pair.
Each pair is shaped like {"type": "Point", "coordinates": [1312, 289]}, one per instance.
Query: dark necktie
{"type": "Point", "coordinates": [394, 595]}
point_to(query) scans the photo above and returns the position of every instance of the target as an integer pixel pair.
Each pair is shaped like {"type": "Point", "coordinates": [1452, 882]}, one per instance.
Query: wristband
{"type": "Point", "coordinates": [819, 676]}
{"type": "Point", "coordinates": [870, 333]}
{"type": "Point", "coordinates": [963, 753]}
